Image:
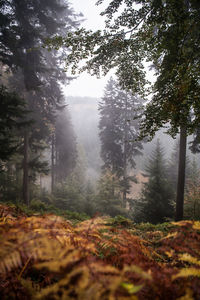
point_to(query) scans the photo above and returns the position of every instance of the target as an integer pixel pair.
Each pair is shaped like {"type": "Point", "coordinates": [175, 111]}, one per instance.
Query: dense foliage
{"type": "Point", "coordinates": [12, 114]}
{"type": "Point", "coordinates": [162, 32]}
{"type": "Point", "coordinates": [156, 201]}
{"type": "Point", "coordinates": [36, 75]}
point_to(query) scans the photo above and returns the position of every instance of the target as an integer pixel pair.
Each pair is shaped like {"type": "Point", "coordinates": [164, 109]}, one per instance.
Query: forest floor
{"type": "Point", "coordinates": [48, 257]}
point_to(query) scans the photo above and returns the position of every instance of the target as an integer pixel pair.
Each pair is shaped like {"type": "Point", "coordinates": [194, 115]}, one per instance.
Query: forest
{"type": "Point", "coordinates": [100, 196]}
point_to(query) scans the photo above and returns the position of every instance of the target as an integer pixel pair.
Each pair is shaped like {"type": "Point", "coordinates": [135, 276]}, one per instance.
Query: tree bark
{"type": "Point", "coordinates": [25, 171]}
{"type": "Point", "coordinates": [52, 164]}
{"type": "Point", "coordinates": [181, 174]}
{"type": "Point", "coordinates": [125, 156]}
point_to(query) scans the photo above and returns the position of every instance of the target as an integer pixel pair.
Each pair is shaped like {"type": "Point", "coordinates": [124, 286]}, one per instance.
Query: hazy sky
{"type": "Point", "coordinates": [87, 85]}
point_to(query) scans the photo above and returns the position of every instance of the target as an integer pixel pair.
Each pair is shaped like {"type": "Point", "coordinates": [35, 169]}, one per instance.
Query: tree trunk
{"type": "Point", "coordinates": [18, 180]}
{"type": "Point", "coordinates": [125, 156]}
{"type": "Point", "coordinates": [181, 174]}
{"type": "Point", "coordinates": [124, 179]}
{"type": "Point", "coordinates": [56, 164]}
{"type": "Point", "coordinates": [52, 164]}
{"type": "Point", "coordinates": [25, 171]}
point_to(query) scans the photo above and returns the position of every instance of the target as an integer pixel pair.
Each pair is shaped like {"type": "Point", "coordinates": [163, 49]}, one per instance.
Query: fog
{"type": "Point", "coordinates": [85, 119]}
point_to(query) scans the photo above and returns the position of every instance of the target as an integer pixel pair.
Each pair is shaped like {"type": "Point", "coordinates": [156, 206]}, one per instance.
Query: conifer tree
{"type": "Point", "coordinates": [25, 24]}
{"type": "Point", "coordinates": [155, 204]}
{"type": "Point", "coordinates": [109, 199]}
{"type": "Point", "coordinates": [119, 129]}
{"type": "Point", "coordinates": [12, 113]}
{"type": "Point", "coordinates": [192, 193]}
{"type": "Point", "coordinates": [70, 192]}
{"type": "Point", "coordinates": [65, 152]}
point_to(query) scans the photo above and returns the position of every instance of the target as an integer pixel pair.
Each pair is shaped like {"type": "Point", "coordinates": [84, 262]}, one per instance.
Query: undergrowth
{"type": "Point", "coordinates": [38, 207]}
{"type": "Point", "coordinates": [49, 257]}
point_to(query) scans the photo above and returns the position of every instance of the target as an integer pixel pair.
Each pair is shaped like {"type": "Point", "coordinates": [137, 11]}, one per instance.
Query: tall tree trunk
{"type": "Point", "coordinates": [18, 180]}
{"type": "Point", "coordinates": [125, 177]}
{"type": "Point", "coordinates": [125, 156]}
{"type": "Point", "coordinates": [53, 163]}
{"type": "Point", "coordinates": [56, 164]}
{"type": "Point", "coordinates": [181, 174]}
{"type": "Point", "coordinates": [40, 185]}
{"type": "Point", "coordinates": [25, 170]}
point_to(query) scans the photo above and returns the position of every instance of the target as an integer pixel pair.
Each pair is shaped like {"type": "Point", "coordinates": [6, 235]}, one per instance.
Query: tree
{"type": "Point", "coordinates": [64, 150]}
{"type": "Point", "coordinates": [12, 113]}
{"type": "Point", "coordinates": [195, 144]}
{"type": "Point", "coordinates": [165, 33]}
{"type": "Point", "coordinates": [192, 195]}
{"type": "Point", "coordinates": [156, 202]}
{"type": "Point", "coordinates": [24, 26]}
{"type": "Point", "coordinates": [119, 130]}
{"type": "Point", "coordinates": [172, 167]}
{"type": "Point", "coordinates": [70, 193]}
{"type": "Point", "coordinates": [108, 200]}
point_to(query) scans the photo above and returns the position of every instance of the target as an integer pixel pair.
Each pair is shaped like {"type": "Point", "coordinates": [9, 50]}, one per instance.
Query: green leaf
{"type": "Point", "coordinates": [131, 288]}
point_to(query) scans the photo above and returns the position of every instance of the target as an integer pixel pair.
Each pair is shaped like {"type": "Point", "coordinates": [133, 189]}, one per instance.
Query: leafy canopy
{"type": "Point", "coordinates": [165, 33]}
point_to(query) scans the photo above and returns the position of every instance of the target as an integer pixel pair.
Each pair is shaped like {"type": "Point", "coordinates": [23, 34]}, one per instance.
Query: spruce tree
{"type": "Point", "coordinates": [119, 130]}
{"type": "Point", "coordinates": [25, 24]}
{"type": "Point", "coordinates": [108, 198]}
{"type": "Point", "coordinates": [12, 113]}
{"type": "Point", "coordinates": [155, 204]}
{"type": "Point", "coordinates": [110, 133]}
{"type": "Point", "coordinates": [65, 151]}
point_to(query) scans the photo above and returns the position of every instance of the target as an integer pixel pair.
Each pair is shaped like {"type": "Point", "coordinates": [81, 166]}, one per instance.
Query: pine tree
{"type": "Point", "coordinates": [70, 193]}
{"type": "Point", "coordinates": [119, 129]}
{"type": "Point", "coordinates": [65, 146]}
{"type": "Point", "coordinates": [12, 113]}
{"type": "Point", "coordinates": [24, 26]}
{"type": "Point", "coordinates": [155, 204]}
{"type": "Point", "coordinates": [109, 199]}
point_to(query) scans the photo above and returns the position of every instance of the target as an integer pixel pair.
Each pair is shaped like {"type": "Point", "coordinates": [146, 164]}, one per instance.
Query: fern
{"type": "Point", "coordinates": [48, 258]}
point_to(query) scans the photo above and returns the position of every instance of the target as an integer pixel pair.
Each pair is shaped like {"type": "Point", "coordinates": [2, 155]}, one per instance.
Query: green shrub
{"type": "Point", "coordinates": [72, 215]}
{"type": "Point", "coordinates": [38, 205]}
{"type": "Point", "coordinates": [121, 221]}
